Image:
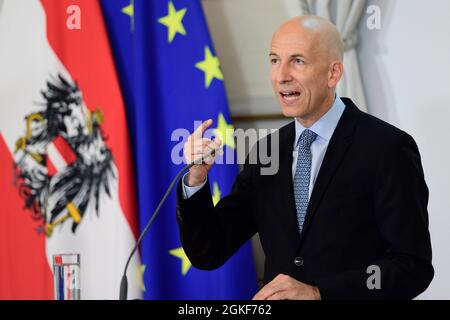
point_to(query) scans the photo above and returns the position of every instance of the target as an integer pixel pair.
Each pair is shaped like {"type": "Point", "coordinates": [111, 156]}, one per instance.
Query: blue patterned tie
{"type": "Point", "coordinates": [303, 175]}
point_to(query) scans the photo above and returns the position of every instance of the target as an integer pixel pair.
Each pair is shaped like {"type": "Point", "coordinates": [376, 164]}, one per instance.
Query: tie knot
{"type": "Point", "coordinates": [306, 139]}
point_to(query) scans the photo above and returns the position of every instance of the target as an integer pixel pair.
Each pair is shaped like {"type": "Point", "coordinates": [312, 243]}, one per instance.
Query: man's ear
{"type": "Point", "coordinates": [335, 73]}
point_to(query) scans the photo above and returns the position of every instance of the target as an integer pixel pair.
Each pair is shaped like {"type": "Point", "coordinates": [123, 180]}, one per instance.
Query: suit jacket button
{"type": "Point", "coordinates": [298, 261]}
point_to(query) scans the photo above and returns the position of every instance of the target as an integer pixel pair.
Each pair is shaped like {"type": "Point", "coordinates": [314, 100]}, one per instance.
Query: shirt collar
{"type": "Point", "coordinates": [325, 126]}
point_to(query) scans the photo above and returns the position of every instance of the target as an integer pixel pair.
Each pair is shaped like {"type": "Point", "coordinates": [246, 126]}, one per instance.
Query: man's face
{"type": "Point", "coordinates": [299, 72]}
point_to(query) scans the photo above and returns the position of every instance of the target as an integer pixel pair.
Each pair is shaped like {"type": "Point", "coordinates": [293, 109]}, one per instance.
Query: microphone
{"type": "Point", "coordinates": [124, 282]}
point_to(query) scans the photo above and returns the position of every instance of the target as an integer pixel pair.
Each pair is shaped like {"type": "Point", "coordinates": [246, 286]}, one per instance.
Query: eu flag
{"type": "Point", "coordinates": [170, 77]}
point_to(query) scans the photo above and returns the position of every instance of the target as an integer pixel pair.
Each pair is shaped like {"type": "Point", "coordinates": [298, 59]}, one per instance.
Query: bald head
{"type": "Point", "coordinates": [321, 32]}
{"type": "Point", "coordinates": [306, 57]}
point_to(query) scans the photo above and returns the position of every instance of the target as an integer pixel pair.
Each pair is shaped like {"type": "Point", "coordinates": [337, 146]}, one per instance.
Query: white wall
{"type": "Point", "coordinates": [406, 68]}
{"type": "Point", "coordinates": [242, 30]}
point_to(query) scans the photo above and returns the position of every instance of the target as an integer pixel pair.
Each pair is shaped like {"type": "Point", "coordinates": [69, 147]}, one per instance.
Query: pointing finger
{"type": "Point", "coordinates": [198, 133]}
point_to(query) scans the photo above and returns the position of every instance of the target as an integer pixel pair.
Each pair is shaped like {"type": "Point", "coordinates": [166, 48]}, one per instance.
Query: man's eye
{"type": "Point", "coordinates": [299, 61]}
{"type": "Point", "coordinates": [274, 61]}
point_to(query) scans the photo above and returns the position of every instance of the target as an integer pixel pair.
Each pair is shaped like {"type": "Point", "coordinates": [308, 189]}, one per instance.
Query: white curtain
{"type": "Point", "coordinates": [345, 14]}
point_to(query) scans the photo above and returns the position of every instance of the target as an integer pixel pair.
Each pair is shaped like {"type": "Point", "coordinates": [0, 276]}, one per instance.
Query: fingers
{"type": "Point", "coordinates": [198, 133]}
{"type": "Point", "coordinates": [281, 295]}
{"type": "Point", "coordinates": [277, 285]}
{"type": "Point", "coordinates": [203, 146]}
{"type": "Point", "coordinates": [265, 294]}
{"type": "Point", "coordinates": [211, 151]}
{"type": "Point", "coordinates": [218, 145]}
{"type": "Point", "coordinates": [284, 287]}
{"type": "Point", "coordinates": [269, 289]}
{"type": "Point", "coordinates": [201, 150]}
{"type": "Point", "coordinates": [205, 151]}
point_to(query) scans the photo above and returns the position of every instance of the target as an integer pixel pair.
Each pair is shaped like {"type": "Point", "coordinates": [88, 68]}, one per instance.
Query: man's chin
{"type": "Point", "coordinates": [290, 111]}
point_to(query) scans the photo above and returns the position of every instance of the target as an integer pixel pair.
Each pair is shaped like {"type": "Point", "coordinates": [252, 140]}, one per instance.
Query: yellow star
{"type": "Point", "coordinates": [185, 263]}
{"type": "Point", "coordinates": [211, 67]}
{"type": "Point", "coordinates": [224, 131]}
{"type": "Point", "coordinates": [129, 11]}
{"type": "Point", "coordinates": [173, 21]}
{"type": "Point", "coordinates": [216, 193]}
{"type": "Point", "coordinates": [141, 271]}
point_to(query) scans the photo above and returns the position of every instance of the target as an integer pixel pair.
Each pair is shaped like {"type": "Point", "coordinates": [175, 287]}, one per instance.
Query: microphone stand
{"type": "Point", "coordinates": [124, 282]}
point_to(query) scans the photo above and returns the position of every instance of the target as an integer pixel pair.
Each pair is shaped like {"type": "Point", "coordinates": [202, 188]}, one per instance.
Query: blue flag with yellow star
{"type": "Point", "coordinates": [170, 77]}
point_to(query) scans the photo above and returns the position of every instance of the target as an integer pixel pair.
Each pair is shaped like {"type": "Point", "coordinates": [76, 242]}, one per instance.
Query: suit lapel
{"type": "Point", "coordinates": [337, 148]}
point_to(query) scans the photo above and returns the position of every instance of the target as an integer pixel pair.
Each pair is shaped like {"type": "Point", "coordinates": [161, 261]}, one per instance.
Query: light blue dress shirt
{"type": "Point", "coordinates": [324, 128]}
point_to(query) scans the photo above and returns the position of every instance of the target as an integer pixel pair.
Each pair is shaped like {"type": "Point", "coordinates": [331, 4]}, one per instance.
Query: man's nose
{"type": "Point", "coordinates": [284, 74]}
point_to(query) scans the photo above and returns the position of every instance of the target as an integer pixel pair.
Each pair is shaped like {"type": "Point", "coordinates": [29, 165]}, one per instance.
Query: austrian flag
{"type": "Point", "coordinates": [65, 162]}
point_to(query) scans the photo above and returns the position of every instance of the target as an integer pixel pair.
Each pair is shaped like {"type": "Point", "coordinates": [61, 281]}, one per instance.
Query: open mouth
{"type": "Point", "coordinates": [290, 95]}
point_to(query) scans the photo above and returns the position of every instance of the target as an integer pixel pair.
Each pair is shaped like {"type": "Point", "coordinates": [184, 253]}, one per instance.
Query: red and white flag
{"type": "Point", "coordinates": [65, 164]}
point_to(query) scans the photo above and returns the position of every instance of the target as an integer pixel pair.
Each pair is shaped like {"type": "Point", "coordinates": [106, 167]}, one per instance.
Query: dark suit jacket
{"type": "Point", "coordinates": [368, 207]}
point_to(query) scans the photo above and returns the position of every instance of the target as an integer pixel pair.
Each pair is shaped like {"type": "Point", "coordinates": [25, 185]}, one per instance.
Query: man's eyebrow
{"type": "Point", "coordinates": [297, 55]}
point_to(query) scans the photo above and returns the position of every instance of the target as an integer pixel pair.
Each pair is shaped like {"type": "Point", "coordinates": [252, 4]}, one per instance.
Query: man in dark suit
{"type": "Point", "coordinates": [345, 216]}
